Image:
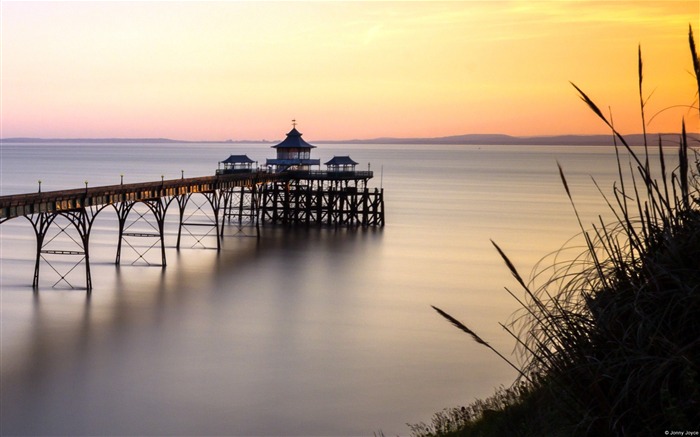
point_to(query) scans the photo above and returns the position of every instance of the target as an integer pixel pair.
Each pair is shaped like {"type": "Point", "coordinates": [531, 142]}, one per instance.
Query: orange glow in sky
{"type": "Point", "coordinates": [196, 70]}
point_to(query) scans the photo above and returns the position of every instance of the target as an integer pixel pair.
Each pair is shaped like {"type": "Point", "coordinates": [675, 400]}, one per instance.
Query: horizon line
{"type": "Point", "coordinates": [353, 140]}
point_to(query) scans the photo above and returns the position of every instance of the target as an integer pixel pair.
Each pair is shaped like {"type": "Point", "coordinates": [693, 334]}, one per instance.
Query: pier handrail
{"type": "Point", "coordinates": [332, 175]}
{"type": "Point", "coordinates": [15, 205]}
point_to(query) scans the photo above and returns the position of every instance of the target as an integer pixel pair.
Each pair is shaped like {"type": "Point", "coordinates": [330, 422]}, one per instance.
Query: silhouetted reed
{"type": "Point", "coordinates": [608, 341]}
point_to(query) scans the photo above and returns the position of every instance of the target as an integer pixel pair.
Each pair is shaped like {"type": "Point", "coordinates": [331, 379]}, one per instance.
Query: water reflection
{"type": "Point", "coordinates": [198, 348]}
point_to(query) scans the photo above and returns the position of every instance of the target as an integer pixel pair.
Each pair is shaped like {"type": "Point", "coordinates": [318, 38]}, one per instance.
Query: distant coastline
{"type": "Point", "coordinates": [470, 139]}
{"type": "Point", "coordinates": [508, 140]}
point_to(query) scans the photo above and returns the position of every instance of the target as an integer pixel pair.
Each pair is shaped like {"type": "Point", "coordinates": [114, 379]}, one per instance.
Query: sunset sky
{"type": "Point", "coordinates": [221, 70]}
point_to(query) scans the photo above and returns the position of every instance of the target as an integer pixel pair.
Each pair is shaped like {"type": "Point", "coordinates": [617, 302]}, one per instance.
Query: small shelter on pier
{"type": "Point", "coordinates": [236, 164]}
{"type": "Point", "coordinates": [340, 164]}
{"type": "Point", "coordinates": [293, 153]}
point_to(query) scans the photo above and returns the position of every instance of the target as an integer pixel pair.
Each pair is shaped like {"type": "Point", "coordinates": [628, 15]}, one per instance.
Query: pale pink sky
{"type": "Point", "coordinates": [196, 70]}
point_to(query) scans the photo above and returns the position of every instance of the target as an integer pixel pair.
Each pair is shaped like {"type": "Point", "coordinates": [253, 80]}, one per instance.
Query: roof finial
{"type": "Point", "coordinates": [294, 123]}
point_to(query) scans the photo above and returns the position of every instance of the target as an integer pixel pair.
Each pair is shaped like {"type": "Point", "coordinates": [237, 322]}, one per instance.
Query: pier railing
{"type": "Point", "coordinates": [329, 175]}
{"type": "Point", "coordinates": [12, 206]}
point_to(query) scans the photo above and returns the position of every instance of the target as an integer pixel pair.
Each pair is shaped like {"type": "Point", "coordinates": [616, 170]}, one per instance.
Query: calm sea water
{"type": "Point", "coordinates": [303, 332]}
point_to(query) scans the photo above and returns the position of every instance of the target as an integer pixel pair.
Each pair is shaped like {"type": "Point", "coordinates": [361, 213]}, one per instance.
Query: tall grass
{"type": "Point", "coordinates": [609, 342]}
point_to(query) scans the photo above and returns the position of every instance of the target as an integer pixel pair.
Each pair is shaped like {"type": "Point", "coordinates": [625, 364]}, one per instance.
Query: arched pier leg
{"type": "Point", "coordinates": [157, 207]}
{"type": "Point", "coordinates": [265, 197]}
{"type": "Point", "coordinates": [123, 210]}
{"type": "Point", "coordinates": [255, 205]}
{"type": "Point", "coordinates": [286, 207]}
{"type": "Point", "coordinates": [182, 201]}
{"type": "Point", "coordinates": [83, 224]}
{"type": "Point", "coordinates": [215, 198]}
{"type": "Point", "coordinates": [41, 223]}
{"type": "Point", "coordinates": [226, 197]}
{"type": "Point", "coordinates": [82, 220]}
{"type": "Point", "coordinates": [188, 219]}
{"type": "Point", "coordinates": [241, 206]}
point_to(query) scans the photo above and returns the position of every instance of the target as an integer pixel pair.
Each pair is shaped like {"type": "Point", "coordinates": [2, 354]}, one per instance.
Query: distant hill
{"type": "Point", "coordinates": [500, 139]}
{"type": "Point", "coordinates": [471, 139]}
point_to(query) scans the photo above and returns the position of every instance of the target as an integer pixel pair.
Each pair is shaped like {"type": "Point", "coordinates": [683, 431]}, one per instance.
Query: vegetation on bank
{"type": "Point", "coordinates": [609, 343]}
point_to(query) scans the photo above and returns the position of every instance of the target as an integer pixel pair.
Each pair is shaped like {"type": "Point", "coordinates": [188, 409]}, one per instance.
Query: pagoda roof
{"type": "Point", "coordinates": [341, 160]}
{"type": "Point", "coordinates": [293, 140]}
{"type": "Point", "coordinates": [237, 159]}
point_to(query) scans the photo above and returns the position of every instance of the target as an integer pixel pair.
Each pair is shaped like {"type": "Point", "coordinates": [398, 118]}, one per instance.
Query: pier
{"type": "Point", "coordinates": [287, 192]}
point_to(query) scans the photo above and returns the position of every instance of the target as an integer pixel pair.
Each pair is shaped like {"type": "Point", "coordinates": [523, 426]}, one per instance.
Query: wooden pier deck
{"type": "Point", "coordinates": [18, 205]}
